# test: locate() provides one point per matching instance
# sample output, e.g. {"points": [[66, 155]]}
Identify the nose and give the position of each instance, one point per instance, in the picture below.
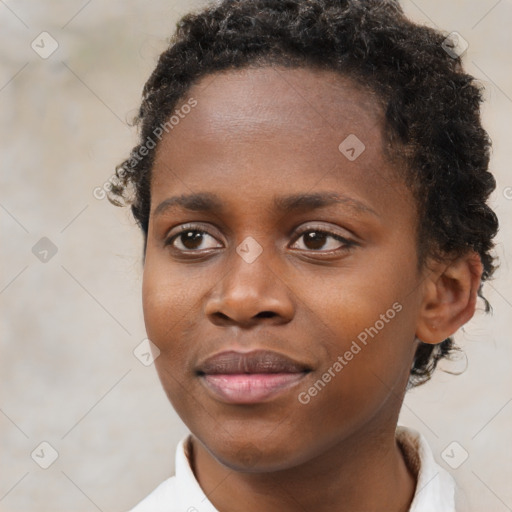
{"points": [[248, 294]]}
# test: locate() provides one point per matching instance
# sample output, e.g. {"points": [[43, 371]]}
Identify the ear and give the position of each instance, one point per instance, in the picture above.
{"points": [[449, 297]]}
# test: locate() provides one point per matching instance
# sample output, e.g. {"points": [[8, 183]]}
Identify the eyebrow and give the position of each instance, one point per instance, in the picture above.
{"points": [[208, 202]]}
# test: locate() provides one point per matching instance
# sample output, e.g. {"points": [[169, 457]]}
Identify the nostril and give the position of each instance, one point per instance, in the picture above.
{"points": [[266, 314]]}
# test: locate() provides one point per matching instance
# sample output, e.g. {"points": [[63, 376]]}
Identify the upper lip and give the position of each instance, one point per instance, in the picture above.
{"points": [[257, 361]]}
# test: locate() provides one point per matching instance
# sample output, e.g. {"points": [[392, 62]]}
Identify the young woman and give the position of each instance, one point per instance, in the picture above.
{"points": [[311, 183]]}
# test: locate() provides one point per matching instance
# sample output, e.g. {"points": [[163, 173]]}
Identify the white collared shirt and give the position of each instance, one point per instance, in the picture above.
{"points": [[435, 488]]}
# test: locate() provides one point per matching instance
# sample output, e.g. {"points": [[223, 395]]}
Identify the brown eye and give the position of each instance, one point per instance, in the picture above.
{"points": [[316, 240], [190, 239]]}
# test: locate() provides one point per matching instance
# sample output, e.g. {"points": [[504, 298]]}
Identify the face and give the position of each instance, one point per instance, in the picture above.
{"points": [[278, 225]]}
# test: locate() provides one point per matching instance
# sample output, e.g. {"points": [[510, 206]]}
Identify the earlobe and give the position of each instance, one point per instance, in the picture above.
{"points": [[449, 298]]}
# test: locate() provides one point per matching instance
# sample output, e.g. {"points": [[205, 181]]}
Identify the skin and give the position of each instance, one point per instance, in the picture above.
{"points": [[256, 134]]}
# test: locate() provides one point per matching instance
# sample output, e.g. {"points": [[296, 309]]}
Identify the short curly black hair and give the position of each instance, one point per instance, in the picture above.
{"points": [[431, 106]]}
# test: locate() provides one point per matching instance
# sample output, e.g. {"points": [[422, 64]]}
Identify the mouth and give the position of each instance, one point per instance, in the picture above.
{"points": [[251, 377]]}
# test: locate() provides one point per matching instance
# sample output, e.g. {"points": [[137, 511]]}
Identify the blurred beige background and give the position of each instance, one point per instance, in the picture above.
{"points": [[70, 321]]}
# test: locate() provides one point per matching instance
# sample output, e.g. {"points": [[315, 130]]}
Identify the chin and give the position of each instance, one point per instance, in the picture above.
{"points": [[254, 455]]}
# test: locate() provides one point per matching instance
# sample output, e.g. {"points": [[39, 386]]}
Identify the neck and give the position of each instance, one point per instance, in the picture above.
{"points": [[365, 471]]}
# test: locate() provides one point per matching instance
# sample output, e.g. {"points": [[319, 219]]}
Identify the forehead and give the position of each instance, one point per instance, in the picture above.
{"points": [[303, 101], [274, 128], [276, 88]]}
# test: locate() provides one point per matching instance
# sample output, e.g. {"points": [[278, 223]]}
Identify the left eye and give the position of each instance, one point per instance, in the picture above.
{"points": [[315, 239]]}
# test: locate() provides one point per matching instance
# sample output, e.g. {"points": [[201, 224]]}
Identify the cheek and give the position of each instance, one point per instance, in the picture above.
{"points": [[371, 313], [169, 299], [173, 300]]}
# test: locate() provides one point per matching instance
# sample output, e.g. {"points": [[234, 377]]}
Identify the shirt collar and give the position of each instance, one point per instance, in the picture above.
{"points": [[190, 495], [434, 489]]}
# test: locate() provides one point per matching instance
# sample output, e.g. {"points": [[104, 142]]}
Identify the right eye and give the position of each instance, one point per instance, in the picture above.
{"points": [[191, 239]]}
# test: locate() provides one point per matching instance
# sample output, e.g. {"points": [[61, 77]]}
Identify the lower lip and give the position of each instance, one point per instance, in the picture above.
{"points": [[250, 388]]}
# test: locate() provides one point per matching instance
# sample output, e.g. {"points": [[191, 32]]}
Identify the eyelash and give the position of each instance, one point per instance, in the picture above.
{"points": [[347, 244]]}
